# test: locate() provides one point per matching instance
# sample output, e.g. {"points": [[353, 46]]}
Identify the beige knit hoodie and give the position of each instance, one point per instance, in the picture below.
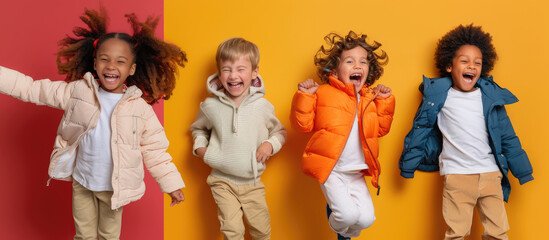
{"points": [[232, 135]]}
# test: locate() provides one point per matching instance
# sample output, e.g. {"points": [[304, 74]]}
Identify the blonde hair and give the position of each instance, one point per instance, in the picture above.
{"points": [[234, 48]]}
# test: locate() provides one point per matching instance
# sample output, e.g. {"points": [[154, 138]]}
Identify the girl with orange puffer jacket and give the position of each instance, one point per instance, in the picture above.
{"points": [[347, 115]]}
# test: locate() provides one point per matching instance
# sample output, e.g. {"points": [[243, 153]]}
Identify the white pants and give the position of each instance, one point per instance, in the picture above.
{"points": [[352, 208]]}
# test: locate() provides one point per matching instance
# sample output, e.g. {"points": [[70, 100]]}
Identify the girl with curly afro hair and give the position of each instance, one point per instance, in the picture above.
{"points": [[347, 115], [462, 129], [109, 129]]}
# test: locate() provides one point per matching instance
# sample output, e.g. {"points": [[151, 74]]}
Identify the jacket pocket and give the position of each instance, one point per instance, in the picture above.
{"points": [[129, 130], [324, 142]]}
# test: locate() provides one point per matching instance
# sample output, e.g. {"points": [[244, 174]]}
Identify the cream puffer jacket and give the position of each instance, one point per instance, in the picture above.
{"points": [[137, 135]]}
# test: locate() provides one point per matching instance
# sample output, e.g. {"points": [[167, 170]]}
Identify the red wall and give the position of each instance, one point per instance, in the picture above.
{"points": [[29, 209]]}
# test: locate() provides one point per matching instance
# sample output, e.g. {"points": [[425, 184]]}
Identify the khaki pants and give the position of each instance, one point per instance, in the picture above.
{"points": [[233, 201], [93, 217], [462, 192]]}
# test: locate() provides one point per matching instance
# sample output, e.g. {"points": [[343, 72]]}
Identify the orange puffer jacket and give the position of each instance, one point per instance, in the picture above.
{"points": [[330, 113]]}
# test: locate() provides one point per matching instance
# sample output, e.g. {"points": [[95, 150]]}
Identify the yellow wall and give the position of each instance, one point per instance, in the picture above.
{"points": [[288, 33]]}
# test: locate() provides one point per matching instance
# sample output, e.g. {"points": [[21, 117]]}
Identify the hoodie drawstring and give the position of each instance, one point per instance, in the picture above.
{"points": [[235, 120], [254, 166]]}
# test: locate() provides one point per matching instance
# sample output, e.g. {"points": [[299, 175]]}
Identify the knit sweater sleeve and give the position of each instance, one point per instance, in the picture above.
{"points": [[41, 92], [277, 132], [201, 129]]}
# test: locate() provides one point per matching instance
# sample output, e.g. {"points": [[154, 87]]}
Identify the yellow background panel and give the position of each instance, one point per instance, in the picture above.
{"points": [[288, 34]]}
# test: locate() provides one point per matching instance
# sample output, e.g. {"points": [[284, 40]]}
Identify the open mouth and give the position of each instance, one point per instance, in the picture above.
{"points": [[110, 77], [355, 77], [468, 77], [235, 84]]}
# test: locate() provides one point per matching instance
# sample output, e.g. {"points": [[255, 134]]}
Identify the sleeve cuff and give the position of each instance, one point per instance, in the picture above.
{"points": [[407, 174], [198, 143], [275, 144], [526, 179]]}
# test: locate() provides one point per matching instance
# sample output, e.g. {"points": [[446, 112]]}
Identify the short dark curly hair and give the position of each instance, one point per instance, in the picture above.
{"points": [[465, 35], [328, 56]]}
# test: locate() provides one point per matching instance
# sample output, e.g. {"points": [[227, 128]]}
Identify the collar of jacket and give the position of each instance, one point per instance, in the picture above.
{"points": [[490, 89], [349, 88]]}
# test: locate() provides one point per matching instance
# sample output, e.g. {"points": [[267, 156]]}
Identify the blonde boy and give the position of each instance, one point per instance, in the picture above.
{"points": [[235, 132]]}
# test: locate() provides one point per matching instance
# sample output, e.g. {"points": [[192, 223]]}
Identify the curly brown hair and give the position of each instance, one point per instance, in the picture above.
{"points": [[157, 61], [465, 35], [328, 56]]}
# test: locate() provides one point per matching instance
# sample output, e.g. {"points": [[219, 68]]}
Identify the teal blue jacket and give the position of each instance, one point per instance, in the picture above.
{"points": [[423, 144]]}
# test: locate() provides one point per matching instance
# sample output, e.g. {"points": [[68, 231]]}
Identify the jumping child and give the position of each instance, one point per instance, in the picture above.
{"points": [[235, 132], [347, 115], [108, 129], [461, 127]]}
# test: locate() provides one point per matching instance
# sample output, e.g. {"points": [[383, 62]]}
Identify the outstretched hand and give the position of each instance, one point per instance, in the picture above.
{"points": [[382, 91], [177, 197], [308, 86]]}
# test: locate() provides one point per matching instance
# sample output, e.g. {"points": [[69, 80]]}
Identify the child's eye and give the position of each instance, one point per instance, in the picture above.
{"points": [[122, 62]]}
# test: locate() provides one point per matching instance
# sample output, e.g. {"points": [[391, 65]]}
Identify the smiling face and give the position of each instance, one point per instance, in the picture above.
{"points": [[353, 67], [114, 62], [466, 68], [236, 77]]}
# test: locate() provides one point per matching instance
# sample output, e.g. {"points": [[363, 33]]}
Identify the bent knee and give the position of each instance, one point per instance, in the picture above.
{"points": [[346, 218], [366, 220]]}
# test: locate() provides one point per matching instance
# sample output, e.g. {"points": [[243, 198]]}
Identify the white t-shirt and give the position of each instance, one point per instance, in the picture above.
{"points": [[352, 157], [465, 146], [94, 160]]}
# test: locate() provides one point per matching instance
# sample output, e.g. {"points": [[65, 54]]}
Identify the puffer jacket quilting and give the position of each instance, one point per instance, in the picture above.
{"points": [[330, 113], [137, 136]]}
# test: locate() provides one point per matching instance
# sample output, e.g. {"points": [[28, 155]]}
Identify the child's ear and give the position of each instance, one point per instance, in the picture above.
{"points": [[94, 63], [449, 68], [132, 69], [254, 72]]}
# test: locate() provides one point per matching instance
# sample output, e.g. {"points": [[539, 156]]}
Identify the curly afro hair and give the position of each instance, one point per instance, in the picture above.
{"points": [[465, 35], [157, 61], [327, 57]]}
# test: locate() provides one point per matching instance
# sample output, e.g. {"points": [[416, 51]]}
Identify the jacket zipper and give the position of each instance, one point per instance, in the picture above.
{"points": [[369, 149], [96, 94]]}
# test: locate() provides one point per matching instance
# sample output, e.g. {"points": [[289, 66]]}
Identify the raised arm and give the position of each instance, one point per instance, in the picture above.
{"points": [[303, 110], [41, 92]]}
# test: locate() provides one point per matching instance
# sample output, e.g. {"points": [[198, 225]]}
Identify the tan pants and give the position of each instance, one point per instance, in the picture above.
{"points": [[462, 192], [93, 217], [233, 201]]}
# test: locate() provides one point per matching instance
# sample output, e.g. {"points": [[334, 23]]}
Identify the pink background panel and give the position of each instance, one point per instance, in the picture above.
{"points": [[29, 209]]}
